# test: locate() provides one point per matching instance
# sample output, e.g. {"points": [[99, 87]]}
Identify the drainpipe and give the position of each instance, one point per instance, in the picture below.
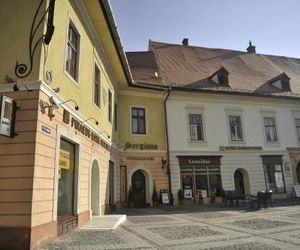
{"points": [[167, 141]]}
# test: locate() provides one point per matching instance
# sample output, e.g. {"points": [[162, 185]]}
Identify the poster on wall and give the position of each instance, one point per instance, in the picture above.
{"points": [[188, 193], [64, 159], [297, 190]]}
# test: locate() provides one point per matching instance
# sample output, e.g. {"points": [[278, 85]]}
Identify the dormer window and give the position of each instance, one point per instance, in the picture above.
{"points": [[286, 85], [220, 77], [282, 82]]}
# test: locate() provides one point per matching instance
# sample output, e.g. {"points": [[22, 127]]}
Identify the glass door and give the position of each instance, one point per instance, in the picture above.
{"points": [[66, 173]]}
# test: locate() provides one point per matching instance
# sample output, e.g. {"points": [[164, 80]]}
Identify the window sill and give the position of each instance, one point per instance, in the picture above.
{"points": [[272, 143], [97, 107], [75, 82], [197, 143], [138, 134]]}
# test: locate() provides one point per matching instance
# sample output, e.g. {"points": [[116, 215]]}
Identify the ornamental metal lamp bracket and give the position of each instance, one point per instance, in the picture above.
{"points": [[21, 69]]}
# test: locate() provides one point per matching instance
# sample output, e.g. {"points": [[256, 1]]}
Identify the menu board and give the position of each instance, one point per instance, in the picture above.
{"points": [[297, 190]]}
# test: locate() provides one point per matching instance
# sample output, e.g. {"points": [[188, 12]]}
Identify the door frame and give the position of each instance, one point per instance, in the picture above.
{"points": [[148, 182], [72, 138]]}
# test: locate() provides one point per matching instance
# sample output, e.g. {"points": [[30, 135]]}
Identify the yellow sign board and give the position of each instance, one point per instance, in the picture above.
{"points": [[64, 159]]}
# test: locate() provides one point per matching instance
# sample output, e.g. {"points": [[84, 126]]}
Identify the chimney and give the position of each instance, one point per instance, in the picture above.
{"points": [[251, 49], [185, 42]]}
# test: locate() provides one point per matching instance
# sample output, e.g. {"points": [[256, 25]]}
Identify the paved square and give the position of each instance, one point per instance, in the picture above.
{"points": [[210, 227]]}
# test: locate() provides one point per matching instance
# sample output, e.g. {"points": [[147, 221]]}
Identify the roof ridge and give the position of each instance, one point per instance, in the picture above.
{"points": [[222, 49]]}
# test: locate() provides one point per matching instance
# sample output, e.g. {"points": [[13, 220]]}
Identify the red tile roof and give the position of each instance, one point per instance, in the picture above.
{"points": [[190, 67]]}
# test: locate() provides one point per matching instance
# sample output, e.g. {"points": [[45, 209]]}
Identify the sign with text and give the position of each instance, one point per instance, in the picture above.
{"points": [[192, 160]]}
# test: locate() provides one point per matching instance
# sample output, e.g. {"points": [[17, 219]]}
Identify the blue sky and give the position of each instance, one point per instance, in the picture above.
{"points": [[272, 25]]}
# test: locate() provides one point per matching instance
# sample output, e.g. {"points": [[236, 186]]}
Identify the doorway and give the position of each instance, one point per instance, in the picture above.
{"points": [[111, 187], [239, 182], [298, 172], [139, 188], [95, 189], [66, 179]]}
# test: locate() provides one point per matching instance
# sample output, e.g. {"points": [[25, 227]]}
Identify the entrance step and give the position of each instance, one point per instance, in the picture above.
{"points": [[104, 222]]}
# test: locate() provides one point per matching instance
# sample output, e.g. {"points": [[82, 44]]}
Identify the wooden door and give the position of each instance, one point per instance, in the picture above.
{"points": [[139, 189]]}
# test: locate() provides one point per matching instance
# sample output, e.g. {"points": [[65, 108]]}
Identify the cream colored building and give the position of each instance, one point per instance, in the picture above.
{"points": [[233, 118]]}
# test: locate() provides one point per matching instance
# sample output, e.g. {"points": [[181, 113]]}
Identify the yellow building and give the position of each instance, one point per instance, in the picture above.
{"points": [[73, 126]]}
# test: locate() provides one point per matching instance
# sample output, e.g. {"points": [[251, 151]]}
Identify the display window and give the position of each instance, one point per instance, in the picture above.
{"points": [[66, 175], [205, 180]]}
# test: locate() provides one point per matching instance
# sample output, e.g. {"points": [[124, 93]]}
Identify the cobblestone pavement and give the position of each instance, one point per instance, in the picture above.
{"points": [[194, 227]]}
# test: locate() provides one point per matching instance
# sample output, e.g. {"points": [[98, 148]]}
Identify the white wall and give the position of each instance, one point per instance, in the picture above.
{"points": [[215, 110], [215, 120]]}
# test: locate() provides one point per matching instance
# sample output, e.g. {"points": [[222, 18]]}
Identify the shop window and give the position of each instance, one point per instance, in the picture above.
{"points": [[235, 125], [66, 179], [270, 129], [72, 57], [97, 87], [201, 179], [273, 172], [138, 121], [196, 127]]}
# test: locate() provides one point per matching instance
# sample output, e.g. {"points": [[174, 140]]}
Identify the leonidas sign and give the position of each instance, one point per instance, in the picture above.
{"points": [[195, 160]]}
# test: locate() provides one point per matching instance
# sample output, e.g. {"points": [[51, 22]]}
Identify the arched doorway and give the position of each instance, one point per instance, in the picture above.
{"points": [[298, 172], [239, 182], [138, 182], [95, 189]]}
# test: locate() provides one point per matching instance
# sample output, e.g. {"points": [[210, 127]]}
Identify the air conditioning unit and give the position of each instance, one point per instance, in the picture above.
{"points": [[8, 109]]}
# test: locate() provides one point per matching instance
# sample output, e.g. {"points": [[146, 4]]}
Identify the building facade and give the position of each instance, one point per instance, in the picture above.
{"points": [[232, 118], [59, 139]]}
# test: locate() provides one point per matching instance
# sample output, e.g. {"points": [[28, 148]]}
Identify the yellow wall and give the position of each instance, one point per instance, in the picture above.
{"points": [[82, 91], [15, 18], [155, 133]]}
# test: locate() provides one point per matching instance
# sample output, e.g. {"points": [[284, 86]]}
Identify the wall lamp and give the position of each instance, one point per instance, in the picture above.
{"points": [[56, 104], [91, 118], [164, 165], [16, 87]]}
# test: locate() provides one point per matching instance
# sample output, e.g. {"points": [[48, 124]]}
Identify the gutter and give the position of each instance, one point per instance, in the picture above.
{"points": [[167, 141], [109, 17]]}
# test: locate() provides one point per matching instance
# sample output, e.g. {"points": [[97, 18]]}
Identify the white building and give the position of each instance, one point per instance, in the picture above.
{"points": [[233, 117]]}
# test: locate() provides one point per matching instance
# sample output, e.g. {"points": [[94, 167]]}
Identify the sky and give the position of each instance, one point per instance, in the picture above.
{"points": [[273, 26]]}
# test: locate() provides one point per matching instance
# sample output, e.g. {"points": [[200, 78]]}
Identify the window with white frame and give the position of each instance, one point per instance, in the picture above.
{"points": [[270, 129], [97, 87], [297, 123], [72, 57], [235, 127], [196, 127], [138, 121]]}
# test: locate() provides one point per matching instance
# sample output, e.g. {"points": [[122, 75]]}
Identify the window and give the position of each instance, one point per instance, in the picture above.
{"points": [[138, 121], [116, 117], [270, 128], [109, 106], [222, 79], [235, 126], [72, 52], [297, 122], [196, 127], [273, 173], [97, 87], [285, 85]]}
